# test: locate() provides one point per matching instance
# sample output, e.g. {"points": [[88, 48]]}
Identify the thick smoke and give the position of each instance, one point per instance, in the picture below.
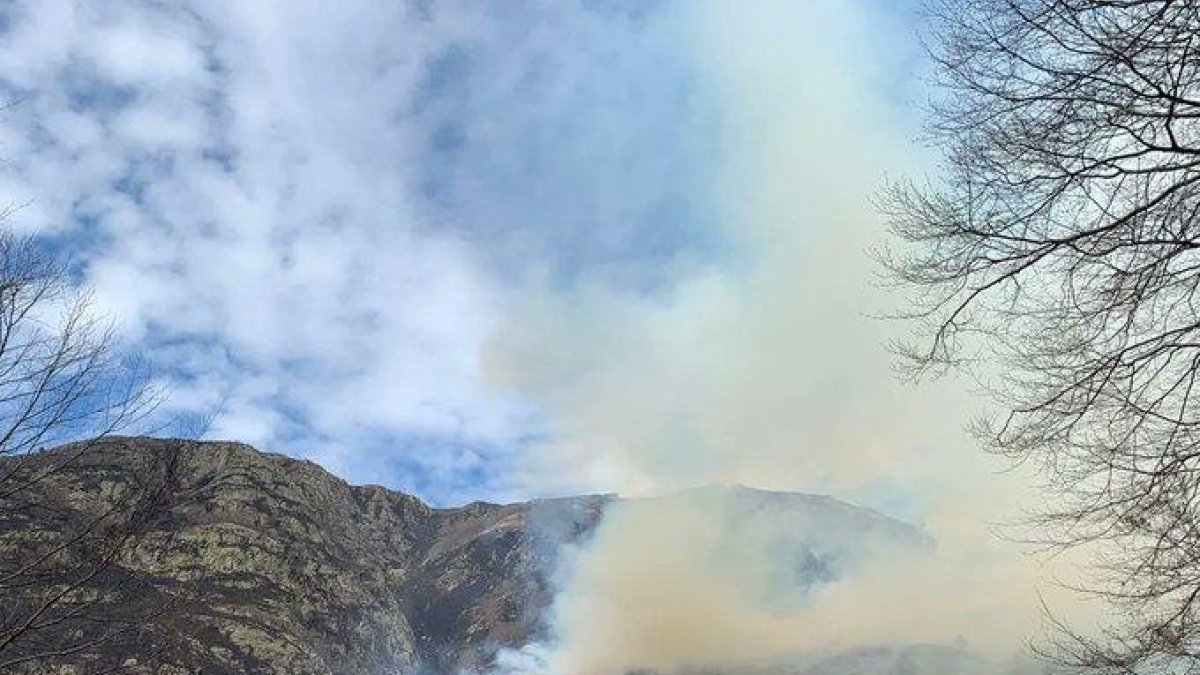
{"points": [[734, 580], [769, 372], [704, 579]]}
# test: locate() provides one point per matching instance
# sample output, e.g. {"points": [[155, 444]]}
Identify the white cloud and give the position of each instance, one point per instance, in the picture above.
{"points": [[334, 209], [137, 55], [238, 178]]}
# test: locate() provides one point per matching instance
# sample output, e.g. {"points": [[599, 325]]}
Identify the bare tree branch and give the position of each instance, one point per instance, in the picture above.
{"points": [[1060, 245], [65, 590]]}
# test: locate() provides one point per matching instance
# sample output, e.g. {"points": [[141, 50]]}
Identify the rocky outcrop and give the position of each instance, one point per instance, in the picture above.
{"points": [[271, 564], [267, 564]]}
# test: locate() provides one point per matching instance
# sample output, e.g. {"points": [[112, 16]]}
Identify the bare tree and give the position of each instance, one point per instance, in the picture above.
{"points": [[1060, 246], [62, 589]]}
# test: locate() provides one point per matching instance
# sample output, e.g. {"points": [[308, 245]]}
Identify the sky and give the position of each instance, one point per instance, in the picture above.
{"points": [[479, 250], [483, 250]]}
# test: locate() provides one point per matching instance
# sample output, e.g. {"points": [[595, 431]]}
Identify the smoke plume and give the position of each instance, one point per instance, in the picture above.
{"points": [[769, 371]]}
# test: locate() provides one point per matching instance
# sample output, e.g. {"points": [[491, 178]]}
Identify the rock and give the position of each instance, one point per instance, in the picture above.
{"points": [[273, 565], [267, 564]]}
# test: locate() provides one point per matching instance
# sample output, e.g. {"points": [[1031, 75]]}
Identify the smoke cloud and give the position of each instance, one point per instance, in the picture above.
{"points": [[768, 370], [685, 585]]}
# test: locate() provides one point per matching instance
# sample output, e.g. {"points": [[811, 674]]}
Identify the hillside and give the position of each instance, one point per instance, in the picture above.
{"points": [[270, 564]]}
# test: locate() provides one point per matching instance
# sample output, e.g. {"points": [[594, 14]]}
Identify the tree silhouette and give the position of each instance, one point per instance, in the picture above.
{"points": [[1059, 249]]}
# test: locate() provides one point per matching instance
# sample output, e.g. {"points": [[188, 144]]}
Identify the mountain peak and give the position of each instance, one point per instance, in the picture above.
{"points": [[272, 564]]}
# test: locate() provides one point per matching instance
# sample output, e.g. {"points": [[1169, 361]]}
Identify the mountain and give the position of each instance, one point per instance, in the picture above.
{"points": [[267, 564]]}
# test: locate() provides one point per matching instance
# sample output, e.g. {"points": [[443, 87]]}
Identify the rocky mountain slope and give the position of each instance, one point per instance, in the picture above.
{"points": [[264, 563]]}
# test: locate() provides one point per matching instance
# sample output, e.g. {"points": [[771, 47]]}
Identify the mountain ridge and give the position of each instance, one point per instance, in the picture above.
{"points": [[273, 564]]}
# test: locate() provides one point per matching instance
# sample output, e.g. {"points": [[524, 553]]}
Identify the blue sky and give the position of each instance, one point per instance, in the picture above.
{"points": [[433, 244], [493, 250]]}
